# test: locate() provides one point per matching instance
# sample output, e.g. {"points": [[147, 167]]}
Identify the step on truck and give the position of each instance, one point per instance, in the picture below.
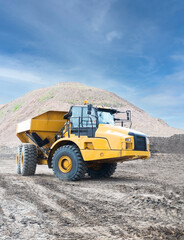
{"points": [[83, 140]]}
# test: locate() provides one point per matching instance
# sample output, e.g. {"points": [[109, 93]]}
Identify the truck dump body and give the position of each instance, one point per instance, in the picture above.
{"points": [[45, 125]]}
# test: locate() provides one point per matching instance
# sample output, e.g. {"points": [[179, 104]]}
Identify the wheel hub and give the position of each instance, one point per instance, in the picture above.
{"points": [[65, 164], [22, 159], [17, 159]]}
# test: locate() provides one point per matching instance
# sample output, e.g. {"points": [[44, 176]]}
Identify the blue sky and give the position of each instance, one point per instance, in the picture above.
{"points": [[134, 48]]}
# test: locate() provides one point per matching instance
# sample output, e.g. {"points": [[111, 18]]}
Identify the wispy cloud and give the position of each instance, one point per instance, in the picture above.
{"points": [[113, 35], [19, 76], [178, 57], [163, 99], [176, 78], [100, 14]]}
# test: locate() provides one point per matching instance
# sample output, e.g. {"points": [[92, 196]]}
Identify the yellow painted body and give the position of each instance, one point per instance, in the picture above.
{"points": [[108, 145], [45, 125]]}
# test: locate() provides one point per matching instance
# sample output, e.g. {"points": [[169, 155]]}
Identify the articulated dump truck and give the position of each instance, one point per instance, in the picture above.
{"points": [[83, 140]]}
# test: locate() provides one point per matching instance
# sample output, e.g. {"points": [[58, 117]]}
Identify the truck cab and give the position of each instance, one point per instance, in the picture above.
{"points": [[100, 122], [85, 119]]}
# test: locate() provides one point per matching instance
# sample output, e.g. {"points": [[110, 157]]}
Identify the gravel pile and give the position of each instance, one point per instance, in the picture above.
{"points": [[173, 144], [7, 152]]}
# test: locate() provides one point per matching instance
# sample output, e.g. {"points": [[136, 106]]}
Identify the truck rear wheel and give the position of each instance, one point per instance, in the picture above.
{"points": [[103, 170], [18, 159], [68, 164], [28, 160]]}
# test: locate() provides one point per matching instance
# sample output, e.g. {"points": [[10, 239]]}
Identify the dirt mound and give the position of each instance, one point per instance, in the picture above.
{"points": [[173, 144], [61, 97]]}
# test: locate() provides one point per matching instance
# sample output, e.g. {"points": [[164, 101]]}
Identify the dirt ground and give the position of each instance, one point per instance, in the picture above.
{"points": [[143, 200]]}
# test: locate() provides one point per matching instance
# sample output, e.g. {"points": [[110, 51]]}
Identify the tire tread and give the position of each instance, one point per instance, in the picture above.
{"points": [[81, 164], [30, 159], [106, 171]]}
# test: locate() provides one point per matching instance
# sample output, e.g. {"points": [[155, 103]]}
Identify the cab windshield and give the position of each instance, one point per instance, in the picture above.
{"points": [[105, 117]]}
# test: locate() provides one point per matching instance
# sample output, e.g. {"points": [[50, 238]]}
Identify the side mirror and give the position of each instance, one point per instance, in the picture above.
{"points": [[89, 109]]}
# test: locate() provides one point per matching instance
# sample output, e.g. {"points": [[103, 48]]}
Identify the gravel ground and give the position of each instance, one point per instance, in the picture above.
{"points": [[143, 200]]}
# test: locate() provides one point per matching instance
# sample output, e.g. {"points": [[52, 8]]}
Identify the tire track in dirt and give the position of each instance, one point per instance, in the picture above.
{"points": [[20, 212], [132, 205], [155, 202], [51, 219], [33, 195]]}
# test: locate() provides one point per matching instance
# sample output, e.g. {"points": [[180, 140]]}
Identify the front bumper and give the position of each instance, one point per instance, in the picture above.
{"points": [[114, 155], [136, 154]]}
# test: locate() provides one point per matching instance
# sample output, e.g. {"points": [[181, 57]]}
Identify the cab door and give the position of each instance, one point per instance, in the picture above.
{"points": [[83, 124]]}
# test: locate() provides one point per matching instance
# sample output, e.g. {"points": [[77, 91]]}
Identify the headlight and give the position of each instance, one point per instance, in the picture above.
{"points": [[128, 139]]}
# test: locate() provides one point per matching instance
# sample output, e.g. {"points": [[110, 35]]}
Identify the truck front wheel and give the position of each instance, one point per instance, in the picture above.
{"points": [[68, 164], [102, 170]]}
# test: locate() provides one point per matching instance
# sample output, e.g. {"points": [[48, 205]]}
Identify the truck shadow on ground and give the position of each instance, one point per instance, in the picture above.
{"points": [[132, 179]]}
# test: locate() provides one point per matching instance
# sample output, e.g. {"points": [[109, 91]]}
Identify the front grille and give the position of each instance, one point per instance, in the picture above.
{"points": [[139, 142]]}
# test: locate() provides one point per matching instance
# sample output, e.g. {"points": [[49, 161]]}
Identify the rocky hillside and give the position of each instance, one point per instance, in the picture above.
{"points": [[60, 97]]}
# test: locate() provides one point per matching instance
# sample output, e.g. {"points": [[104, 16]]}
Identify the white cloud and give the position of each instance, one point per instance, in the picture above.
{"points": [[100, 13], [178, 57], [176, 77], [110, 36], [19, 76], [163, 99]]}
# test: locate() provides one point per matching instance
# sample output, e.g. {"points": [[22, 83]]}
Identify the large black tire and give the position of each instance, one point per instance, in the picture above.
{"points": [[104, 170], [18, 159], [70, 156], [28, 159]]}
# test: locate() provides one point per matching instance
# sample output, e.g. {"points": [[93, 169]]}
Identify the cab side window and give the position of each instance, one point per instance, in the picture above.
{"points": [[86, 121], [76, 113]]}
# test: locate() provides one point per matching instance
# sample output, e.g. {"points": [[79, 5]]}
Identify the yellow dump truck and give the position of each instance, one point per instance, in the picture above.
{"points": [[83, 140]]}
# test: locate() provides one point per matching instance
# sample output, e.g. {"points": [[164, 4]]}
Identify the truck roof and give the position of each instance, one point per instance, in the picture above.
{"points": [[106, 109]]}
